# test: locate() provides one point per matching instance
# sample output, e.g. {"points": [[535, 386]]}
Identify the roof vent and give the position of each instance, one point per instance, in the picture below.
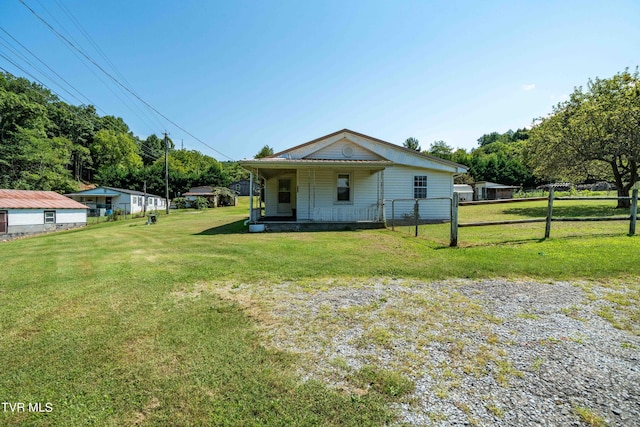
{"points": [[347, 151]]}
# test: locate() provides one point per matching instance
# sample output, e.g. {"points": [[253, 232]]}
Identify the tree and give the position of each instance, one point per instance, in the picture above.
{"points": [[441, 149], [412, 144], [266, 151], [596, 130], [114, 149]]}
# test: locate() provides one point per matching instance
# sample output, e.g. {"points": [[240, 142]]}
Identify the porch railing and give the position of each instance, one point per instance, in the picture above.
{"points": [[347, 214]]}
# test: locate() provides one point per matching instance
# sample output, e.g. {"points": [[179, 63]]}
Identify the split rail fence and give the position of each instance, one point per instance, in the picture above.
{"points": [[455, 203], [632, 218]]}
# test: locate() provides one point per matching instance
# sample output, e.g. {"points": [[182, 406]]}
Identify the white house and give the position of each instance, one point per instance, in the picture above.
{"points": [[103, 200], [24, 212], [348, 177]]}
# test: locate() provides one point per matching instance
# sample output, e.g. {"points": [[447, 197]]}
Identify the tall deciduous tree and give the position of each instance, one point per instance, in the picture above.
{"points": [[266, 151], [597, 127], [441, 149], [114, 149], [411, 143]]}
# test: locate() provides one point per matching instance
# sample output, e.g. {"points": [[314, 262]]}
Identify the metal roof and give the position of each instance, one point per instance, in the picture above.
{"points": [[110, 191], [27, 199]]}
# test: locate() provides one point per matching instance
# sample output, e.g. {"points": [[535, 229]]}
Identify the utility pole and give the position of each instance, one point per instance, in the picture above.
{"points": [[166, 171], [144, 205]]}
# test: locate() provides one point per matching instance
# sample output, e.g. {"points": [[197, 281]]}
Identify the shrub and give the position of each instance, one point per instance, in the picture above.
{"points": [[180, 202], [200, 203]]}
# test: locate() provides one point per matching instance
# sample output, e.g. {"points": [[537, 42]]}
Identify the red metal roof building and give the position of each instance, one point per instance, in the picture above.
{"points": [[25, 212], [27, 199]]}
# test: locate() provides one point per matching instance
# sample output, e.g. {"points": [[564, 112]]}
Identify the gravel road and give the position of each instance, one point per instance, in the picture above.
{"points": [[490, 353]]}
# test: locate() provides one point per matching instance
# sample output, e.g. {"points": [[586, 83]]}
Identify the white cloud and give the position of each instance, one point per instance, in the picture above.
{"points": [[528, 87]]}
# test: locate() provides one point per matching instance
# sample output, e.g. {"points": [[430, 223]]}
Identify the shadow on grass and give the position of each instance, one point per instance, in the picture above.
{"points": [[567, 211], [236, 227]]}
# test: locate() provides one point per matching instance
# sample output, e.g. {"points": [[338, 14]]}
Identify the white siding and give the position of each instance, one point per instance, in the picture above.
{"points": [[36, 216], [26, 216], [68, 216], [338, 150], [398, 184], [317, 196]]}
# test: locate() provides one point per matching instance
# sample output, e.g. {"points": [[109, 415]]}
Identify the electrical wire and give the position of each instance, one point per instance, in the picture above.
{"points": [[118, 82]]}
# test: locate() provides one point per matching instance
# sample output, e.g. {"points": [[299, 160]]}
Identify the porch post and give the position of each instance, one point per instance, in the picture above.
{"points": [[382, 215], [251, 196]]}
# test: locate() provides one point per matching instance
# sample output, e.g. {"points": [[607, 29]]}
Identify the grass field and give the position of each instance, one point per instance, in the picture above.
{"points": [[102, 323]]}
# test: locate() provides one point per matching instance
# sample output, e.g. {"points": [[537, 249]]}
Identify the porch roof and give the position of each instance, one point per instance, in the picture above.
{"points": [[280, 163]]}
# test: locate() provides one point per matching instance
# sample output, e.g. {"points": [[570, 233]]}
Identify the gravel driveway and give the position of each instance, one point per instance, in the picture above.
{"points": [[490, 353]]}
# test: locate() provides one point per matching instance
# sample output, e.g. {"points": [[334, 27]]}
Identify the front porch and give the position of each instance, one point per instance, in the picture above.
{"points": [[319, 195]]}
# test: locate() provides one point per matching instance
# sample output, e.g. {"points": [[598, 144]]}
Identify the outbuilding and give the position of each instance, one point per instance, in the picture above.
{"points": [[485, 190], [25, 212], [104, 200], [464, 191]]}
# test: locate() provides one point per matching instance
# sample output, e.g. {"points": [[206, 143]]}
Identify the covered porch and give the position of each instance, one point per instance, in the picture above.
{"points": [[317, 194]]}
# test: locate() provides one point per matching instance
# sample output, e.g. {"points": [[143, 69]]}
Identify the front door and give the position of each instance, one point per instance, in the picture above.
{"points": [[4, 223], [284, 196]]}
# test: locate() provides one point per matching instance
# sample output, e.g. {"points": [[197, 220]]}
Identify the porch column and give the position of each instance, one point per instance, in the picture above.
{"points": [[251, 196]]}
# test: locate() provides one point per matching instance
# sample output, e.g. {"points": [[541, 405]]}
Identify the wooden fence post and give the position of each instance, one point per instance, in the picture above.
{"points": [[547, 230], [454, 221], [393, 214], [634, 212], [416, 215]]}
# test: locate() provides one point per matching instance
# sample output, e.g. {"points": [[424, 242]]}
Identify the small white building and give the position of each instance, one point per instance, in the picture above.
{"points": [[465, 192], [104, 200], [24, 212], [348, 177]]}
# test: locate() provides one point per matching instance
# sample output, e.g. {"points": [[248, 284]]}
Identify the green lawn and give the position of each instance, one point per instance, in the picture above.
{"points": [[101, 321]]}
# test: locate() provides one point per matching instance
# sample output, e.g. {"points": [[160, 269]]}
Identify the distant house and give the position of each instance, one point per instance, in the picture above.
{"points": [[24, 213], [485, 190], [241, 187], [350, 178], [104, 200], [212, 194], [465, 192]]}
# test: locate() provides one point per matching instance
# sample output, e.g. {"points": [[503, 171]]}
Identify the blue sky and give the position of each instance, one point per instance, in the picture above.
{"points": [[241, 74]]}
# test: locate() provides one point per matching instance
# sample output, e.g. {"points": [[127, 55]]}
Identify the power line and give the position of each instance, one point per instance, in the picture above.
{"points": [[119, 83], [145, 150], [87, 36], [129, 104], [21, 56]]}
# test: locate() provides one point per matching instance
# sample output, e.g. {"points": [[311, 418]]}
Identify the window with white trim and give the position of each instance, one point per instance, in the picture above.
{"points": [[420, 187], [49, 217], [343, 187]]}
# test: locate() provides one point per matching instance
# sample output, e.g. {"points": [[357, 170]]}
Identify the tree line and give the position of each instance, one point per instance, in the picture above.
{"points": [[499, 157], [592, 136], [47, 144]]}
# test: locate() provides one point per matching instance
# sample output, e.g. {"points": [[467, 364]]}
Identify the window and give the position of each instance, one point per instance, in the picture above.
{"points": [[49, 217], [284, 191], [420, 187], [344, 187]]}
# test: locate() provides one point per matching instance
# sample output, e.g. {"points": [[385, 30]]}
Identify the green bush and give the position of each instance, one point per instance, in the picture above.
{"points": [[200, 203], [180, 202]]}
